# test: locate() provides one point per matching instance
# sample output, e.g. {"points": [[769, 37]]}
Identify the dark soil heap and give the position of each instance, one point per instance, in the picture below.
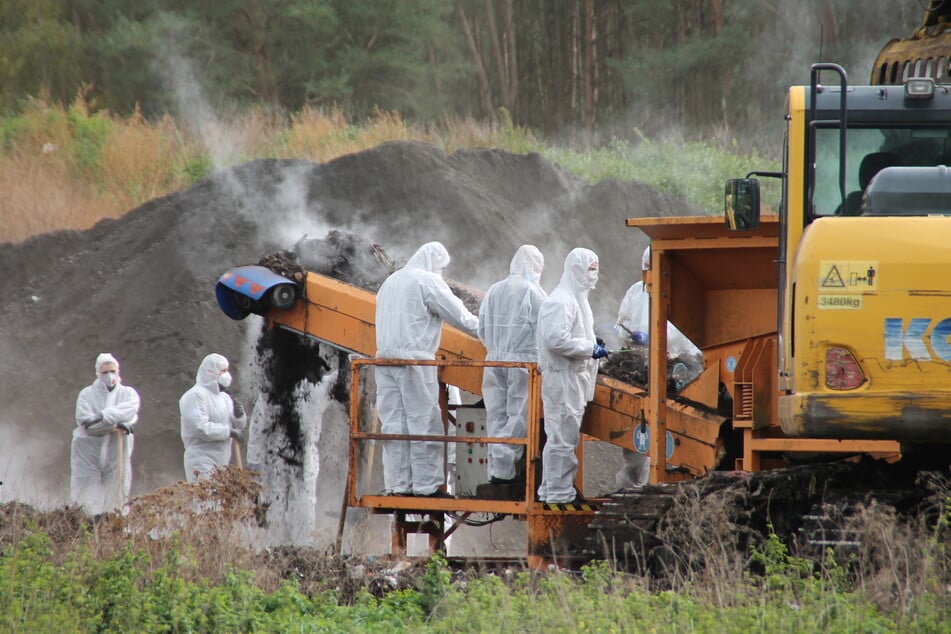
{"points": [[142, 287]]}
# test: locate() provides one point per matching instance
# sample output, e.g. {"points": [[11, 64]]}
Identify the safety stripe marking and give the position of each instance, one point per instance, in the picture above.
{"points": [[570, 507]]}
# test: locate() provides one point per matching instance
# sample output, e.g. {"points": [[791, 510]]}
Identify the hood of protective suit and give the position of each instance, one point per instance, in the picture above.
{"points": [[412, 304], [103, 359], [508, 314], [528, 262], [576, 278], [211, 366], [432, 257]]}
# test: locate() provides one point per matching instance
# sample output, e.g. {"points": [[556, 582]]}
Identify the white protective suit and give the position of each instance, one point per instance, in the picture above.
{"points": [[507, 319], [95, 465], [207, 420], [634, 316], [410, 308], [565, 343]]}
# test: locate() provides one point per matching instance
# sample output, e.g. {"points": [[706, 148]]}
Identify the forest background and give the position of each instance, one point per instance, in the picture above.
{"points": [[107, 104], [582, 70]]}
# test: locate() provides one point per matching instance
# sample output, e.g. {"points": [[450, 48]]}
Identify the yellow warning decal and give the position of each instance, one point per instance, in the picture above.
{"points": [[848, 276], [840, 302]]}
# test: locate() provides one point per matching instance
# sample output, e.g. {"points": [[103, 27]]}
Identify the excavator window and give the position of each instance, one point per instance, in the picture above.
{"points": [[869, 151]]}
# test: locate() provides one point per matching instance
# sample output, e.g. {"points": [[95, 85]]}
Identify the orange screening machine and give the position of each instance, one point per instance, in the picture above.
{"points": [[729, 311]]}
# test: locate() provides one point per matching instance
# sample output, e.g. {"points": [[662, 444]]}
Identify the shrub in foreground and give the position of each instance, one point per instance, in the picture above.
{"points": [[129, 592]]}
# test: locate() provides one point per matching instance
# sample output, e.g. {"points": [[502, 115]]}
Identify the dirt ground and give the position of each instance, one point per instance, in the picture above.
{"points": [[142, 286]]}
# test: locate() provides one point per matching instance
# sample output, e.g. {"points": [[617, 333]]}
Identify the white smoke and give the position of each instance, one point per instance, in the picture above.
{"points": [[220, 141], [26, 464]]}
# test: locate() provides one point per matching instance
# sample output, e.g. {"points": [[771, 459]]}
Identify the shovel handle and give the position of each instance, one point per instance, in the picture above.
{"points": [[236, 452], [120, 467]]}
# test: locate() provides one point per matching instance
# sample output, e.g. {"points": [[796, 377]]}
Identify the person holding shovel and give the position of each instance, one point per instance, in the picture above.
{"points": [[101, 452], [210, 418]]}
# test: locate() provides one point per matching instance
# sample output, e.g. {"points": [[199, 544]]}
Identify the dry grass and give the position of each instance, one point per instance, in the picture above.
{"points": [[210, 520], [899, 560], [213, 526], [136, 163], [704, 548], [69, 168], [710, 545], [322, 135]]}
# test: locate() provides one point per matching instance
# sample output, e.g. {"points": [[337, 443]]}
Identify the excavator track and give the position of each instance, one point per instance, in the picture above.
{"points": [[666, 529]]}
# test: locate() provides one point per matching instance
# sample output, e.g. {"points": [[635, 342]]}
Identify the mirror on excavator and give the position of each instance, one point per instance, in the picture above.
{"points": [[741, 204]]}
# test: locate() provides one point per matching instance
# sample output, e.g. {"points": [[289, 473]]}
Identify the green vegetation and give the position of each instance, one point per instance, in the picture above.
{"points": [[690, 170], [128, 591]]}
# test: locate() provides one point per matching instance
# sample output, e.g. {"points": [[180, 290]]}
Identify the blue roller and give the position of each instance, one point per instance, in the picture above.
{"points": [[253, 289]]}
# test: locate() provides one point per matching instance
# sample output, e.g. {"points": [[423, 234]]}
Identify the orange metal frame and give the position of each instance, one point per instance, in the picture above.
{"points": [[720, 288], [343, 316], [545, 525]]}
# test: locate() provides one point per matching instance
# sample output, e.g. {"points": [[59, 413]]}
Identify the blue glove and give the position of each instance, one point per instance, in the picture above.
{"points": [[599, 351], [639, 337]]}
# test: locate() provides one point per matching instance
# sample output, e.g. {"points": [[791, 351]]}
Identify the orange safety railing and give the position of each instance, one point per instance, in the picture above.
{"points": [[466, 504]]}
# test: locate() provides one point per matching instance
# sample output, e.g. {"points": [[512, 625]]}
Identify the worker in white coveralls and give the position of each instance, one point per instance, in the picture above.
{"points": [[410, 308], [568, 355], [633, 321], [210, 419], [508, 317], [101, 454]]}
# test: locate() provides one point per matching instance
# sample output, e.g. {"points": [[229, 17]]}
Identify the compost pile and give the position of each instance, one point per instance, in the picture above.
{"points": [[142, 286]]}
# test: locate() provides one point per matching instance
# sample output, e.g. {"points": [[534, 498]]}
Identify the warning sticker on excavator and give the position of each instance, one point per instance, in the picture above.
{"points": [[846, 276]]}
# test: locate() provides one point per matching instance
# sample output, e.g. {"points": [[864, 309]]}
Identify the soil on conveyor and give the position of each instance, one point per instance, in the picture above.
{"points": [[142, 286]]}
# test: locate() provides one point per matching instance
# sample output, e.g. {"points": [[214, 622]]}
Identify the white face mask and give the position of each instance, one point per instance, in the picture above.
{"points": [[224, 380], [590, 278], [109, 379]]}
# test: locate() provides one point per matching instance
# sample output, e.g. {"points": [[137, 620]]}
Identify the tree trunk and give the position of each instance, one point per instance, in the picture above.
{"points": [[257, 27], [575, 71], [509, 31], [716, 9], [485, 91], [497, 53], [587, 108]]}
